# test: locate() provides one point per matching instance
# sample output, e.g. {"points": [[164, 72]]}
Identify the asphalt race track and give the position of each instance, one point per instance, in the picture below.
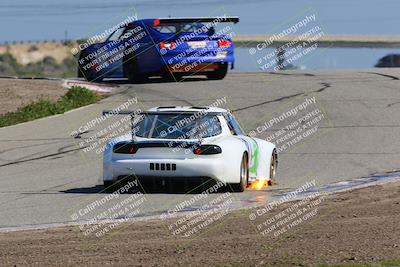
{"points": [[45, 176]]}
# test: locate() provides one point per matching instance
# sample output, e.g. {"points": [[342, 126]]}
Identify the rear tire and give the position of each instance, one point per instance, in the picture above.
{"points": [[273, 166], [131, 70], [244, 175], [219, 73], [169, 76], [109, 186]]}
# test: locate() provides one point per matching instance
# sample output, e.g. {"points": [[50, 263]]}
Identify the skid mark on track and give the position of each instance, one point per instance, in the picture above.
{"points": [[385, 75], [324, 86], [40, 152], [392, 104], [292, 74], [267, 102], [160, 93], [28, 146], [41, 157]]}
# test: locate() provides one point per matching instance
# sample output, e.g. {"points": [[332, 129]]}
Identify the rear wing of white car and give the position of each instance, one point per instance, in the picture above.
{"points": [[134, 113], [131, 113], [121, 112]]}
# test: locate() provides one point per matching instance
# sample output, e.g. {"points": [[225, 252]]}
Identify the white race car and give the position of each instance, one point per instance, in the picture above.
{"points": [[188, 142]]}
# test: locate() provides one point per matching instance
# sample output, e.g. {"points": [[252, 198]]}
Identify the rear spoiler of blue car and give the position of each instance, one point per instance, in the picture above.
{"points": [[233, 19]]}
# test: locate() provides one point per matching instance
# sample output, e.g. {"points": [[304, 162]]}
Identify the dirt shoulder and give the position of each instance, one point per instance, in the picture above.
{"points": [[350, 227], [17, 93], [36, 52]]}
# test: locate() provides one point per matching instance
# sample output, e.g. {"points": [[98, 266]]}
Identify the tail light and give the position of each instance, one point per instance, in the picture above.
{"points": [[224, 43], [207, 150], [125, 148], [167, 45], [156, 22]]}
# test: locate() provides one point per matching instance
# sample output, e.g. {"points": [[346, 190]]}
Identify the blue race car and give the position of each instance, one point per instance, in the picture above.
{"points": [[166, 47]]}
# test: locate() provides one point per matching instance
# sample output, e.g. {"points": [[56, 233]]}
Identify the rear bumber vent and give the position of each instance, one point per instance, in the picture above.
{"points": [[162, 166]]}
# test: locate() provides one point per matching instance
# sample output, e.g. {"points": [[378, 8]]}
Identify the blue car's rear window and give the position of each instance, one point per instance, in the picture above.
{"points": [[178, 27]]}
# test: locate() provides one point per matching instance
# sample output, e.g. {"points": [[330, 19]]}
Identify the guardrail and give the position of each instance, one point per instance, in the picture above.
{"points": [[348, 41], [33, 42]]}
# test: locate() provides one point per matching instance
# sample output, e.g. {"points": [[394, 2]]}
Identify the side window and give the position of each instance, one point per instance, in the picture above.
{"points": [[166, 28], [233, 132], [233, 125], [116, 35], [127, 34], [136, 32]]}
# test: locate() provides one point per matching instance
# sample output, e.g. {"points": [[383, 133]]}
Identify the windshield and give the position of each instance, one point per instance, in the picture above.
{"points": [[177, 126]]}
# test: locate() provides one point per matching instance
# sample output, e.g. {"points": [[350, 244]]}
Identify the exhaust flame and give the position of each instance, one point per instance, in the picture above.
{"points": [[260, 184]]}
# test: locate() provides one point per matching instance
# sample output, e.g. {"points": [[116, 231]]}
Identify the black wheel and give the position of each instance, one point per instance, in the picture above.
{"points": [[91, 78], [131, 70], [85, 74], [178, 77], [80, 67], [273, 166], [169, 76], [172, 78], [244, 175], [80, 73], [219, 73], [109, 186]]}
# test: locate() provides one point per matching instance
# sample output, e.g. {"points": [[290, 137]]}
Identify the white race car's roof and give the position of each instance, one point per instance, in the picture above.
{"points": [[187, 109]]}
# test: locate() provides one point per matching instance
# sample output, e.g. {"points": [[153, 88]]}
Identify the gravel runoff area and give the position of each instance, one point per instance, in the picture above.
{"points": [[359, 226], [17, 93]]}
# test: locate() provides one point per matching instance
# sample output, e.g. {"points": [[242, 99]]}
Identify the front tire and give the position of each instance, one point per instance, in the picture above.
{"points": [[244, 175], [85, 74], [219, 73]]}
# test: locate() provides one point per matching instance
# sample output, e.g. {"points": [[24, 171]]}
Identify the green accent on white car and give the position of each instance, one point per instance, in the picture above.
{"points": [[254, 158]]}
